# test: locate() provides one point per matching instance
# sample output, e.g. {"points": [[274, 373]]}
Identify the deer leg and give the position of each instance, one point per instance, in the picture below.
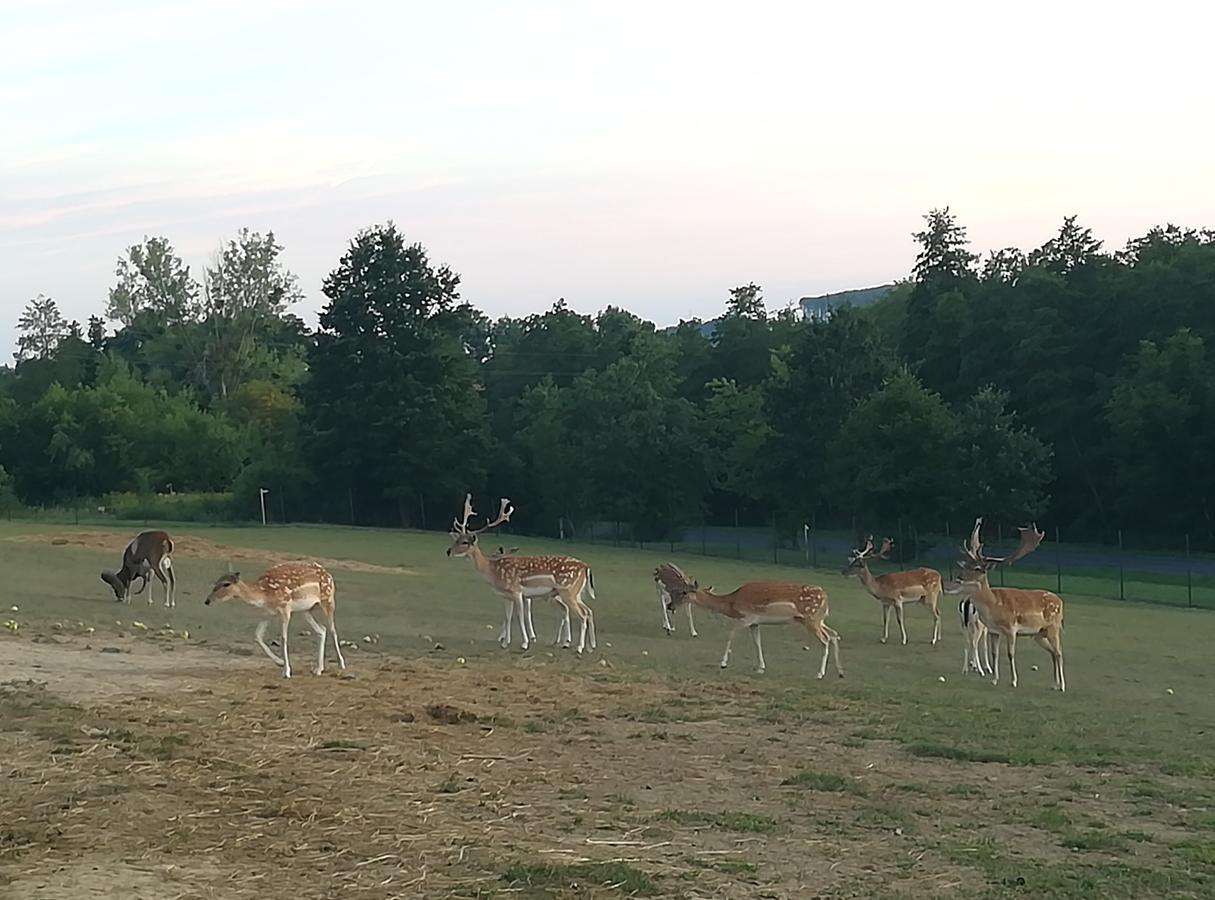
{"points": [[320, 649], [885, 622], [1010, 644], [978, 646], [1057, 640], [520, 605], [166, 566], [898, 614], [667, 625], [993, 655], [936, 621], [725, 657], [759, 649], [531, 628], [337, 645], [1056, 656], [164, 583], [691, 624], [286, 620], [260, 635], [508, 616], [967, 648]]}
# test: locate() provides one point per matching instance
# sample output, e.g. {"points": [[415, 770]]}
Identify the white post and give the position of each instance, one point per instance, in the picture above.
{"points": [[806, 540], [262, 492]]}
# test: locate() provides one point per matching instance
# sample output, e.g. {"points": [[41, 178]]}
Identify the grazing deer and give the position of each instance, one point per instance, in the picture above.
{"points": [[664, 601], [518, 579], [757, 603], [896, 588], [281, 591], [148, 552], [975, 657], [1008, 612]]}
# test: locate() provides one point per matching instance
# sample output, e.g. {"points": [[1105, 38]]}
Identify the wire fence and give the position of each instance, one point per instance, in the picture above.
{"points": [[1160, 571]]}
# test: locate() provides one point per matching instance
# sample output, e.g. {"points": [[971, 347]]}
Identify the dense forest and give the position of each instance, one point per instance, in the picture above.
{"points": [[1066, 383]]}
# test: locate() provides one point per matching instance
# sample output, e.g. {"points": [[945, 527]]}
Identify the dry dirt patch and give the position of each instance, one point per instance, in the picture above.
{"points": [[112, 667], [193, 774], [191, 547]]}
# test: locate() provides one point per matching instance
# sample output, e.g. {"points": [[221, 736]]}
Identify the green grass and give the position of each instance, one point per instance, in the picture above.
{"points": [[1116, 717], [822, 781]]}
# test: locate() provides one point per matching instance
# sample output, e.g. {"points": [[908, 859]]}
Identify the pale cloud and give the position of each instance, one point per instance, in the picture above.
{"points": [[645, 154]]}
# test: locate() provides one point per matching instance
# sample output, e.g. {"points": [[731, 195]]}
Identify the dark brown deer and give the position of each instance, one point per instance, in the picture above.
{"points": [[148, 553]]}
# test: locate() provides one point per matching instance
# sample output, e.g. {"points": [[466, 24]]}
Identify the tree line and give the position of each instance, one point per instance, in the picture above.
{"points": [[1066, 383]]}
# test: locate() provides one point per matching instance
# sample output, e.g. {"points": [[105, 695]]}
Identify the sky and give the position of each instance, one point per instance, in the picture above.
{"points": [[649, 155]]}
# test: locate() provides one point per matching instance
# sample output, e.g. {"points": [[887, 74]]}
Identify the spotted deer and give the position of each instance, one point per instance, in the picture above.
{"points": [[664, 601], [758, 603], [280, 591], [519, 579], [975, 657], [1009, 612], [148, 553], [894, 589]]}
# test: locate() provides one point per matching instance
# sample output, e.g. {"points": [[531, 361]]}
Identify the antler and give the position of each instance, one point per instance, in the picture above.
{"points": [[863, 551], [1031, 537], [504, 514], [674, 580], [462, 527]]}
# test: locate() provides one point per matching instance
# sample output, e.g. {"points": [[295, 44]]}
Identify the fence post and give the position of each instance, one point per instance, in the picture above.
{"points": [[1189, 575], [899, 544], [1058, 565], [806, 541], [704, 551], [813, 542], [350, 497], [1121, 570], [737, 537], [775, 557]]}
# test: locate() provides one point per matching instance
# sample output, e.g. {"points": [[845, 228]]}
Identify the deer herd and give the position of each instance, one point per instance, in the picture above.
{"points": [[986, 614]]}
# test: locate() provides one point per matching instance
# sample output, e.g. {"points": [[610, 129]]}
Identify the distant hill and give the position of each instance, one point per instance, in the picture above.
{"points": [[818, 307]]}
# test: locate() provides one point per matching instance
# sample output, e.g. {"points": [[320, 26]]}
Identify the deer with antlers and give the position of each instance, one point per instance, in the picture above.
{"points": [[757, 603], [896, 588], [148, 553], [280, 591], [518, 579], [1009, 612], [664, 602]]}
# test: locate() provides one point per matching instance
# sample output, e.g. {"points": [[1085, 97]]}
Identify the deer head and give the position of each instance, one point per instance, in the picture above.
{"points": [[676, 584], [859, 558], [463, 538], [974, 565], [224, 589]]}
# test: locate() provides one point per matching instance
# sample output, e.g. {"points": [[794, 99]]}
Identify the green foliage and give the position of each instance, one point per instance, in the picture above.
{"points": [[152, 282], [188, 507], [394, 403], [892, 455], [41, 329], [1065, 384]]}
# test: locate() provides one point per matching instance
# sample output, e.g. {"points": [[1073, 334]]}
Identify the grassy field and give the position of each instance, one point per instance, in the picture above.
{"points": [[142, 762]]}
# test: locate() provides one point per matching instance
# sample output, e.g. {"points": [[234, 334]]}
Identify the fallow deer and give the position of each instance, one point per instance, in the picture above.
{"points": [[893, 589], [1009, 612], [975, 657], [518, 579], [280, 591], [664, 600], [149, 552], [758, 603]]}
